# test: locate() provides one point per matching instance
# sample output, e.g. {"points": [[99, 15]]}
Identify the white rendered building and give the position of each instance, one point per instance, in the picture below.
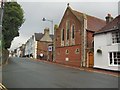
{"points": [[107, 45]]}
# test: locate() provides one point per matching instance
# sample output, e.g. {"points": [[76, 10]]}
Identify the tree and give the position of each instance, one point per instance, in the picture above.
{"points": [[55, 26], [13, 18]]}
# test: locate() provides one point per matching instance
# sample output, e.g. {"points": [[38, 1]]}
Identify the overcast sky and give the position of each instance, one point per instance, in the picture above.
{"points": [[35, 11]]}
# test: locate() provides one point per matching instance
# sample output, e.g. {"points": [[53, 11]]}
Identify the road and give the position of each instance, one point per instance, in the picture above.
{"points": [[27, 73]]}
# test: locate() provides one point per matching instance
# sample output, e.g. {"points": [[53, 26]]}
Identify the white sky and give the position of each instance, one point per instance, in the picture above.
{"points": [[35, 10]]}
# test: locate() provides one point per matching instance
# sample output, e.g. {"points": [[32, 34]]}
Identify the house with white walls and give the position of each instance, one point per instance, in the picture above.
{"points": [[38, 43], [29, 47], [107, 45]]}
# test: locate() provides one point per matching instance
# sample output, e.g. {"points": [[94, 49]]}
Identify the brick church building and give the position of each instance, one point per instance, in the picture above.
{"points": [[74, 38]]}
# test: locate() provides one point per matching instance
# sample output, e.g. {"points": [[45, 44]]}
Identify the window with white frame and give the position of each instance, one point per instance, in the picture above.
{"points": [[115, 37], [114, 58]]}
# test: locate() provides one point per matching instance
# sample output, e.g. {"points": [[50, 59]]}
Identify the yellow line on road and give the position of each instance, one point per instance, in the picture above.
{"points": [[2, 87]]}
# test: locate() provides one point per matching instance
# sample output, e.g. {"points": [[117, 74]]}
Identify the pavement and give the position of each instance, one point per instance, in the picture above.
{"points": [[96, 70]]}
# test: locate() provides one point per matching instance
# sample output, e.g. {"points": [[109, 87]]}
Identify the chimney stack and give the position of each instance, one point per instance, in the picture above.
{"points": [[46, 31], [109, 18]]}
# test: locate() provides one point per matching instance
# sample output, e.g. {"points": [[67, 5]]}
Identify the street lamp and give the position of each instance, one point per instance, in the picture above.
{"points": [[44, 19]]}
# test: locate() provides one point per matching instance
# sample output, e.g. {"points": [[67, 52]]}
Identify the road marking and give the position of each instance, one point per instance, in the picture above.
{"points": [[2, 87]]}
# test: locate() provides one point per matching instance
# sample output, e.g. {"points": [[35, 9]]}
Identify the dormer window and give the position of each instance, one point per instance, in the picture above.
{"points": [[115, 37]]}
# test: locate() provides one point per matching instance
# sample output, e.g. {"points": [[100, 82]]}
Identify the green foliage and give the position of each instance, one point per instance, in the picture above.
{"points": [[13, 18], [55, 27]]}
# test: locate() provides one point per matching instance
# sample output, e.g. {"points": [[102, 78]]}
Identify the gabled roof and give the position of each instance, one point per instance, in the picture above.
{"points": [[93, 23], [38, 36], [113, 25]]}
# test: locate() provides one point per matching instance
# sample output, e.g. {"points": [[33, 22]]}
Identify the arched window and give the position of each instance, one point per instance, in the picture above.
{"points": [[62, 34], [67, 52], [77, 51], [67, 29], [99, 51], [73, 32]]}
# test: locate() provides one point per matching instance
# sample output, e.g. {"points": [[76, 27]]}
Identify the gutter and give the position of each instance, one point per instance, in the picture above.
{"points": [[109, 30]]}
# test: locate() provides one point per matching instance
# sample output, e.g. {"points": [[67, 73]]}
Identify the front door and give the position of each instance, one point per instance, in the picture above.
{"points": [[91, 59]]}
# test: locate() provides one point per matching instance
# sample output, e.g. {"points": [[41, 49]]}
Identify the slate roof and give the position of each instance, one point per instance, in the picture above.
{"points": [[38, 36]]}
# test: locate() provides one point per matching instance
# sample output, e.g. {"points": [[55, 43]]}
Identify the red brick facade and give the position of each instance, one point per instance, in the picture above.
{"points": [[42, 48], [74, 58], [43, 41], [69, 51]]}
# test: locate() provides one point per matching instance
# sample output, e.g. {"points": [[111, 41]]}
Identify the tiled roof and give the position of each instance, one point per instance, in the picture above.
{"points": [[38, 36], [93, 23], [115, 24]]}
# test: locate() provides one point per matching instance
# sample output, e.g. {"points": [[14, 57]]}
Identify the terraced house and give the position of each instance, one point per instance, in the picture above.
{"points": [[74, 38], [107, 45]]}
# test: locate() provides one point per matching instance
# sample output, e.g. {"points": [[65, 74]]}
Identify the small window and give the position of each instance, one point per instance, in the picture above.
{"points": [[77, 51], [67, 52], [115, 37], [99, 51]]}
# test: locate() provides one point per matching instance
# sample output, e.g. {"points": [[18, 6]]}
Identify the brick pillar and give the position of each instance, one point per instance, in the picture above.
{"points": [[83, 41]]}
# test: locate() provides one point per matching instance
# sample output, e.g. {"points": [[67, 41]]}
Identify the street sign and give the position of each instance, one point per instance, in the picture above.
{"points": [[49, 48]]}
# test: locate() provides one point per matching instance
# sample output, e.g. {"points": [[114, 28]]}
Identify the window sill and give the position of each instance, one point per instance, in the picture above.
{"points": [[115, 65]]}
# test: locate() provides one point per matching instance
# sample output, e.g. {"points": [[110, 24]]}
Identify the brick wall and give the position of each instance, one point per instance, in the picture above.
{"points": [[42, 46], [74, 58], [90, 39], [60, 57], [83, 40]]}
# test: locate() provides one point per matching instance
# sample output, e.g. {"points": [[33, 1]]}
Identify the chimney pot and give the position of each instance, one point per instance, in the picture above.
{"points": [[109, 18], [109, 15], [46, 31]]}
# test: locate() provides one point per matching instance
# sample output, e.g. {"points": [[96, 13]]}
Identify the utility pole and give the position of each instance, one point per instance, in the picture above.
{"points": [[1, 18]]}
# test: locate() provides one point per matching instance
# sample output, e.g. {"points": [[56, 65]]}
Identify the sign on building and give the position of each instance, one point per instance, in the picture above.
{"points": [[49, 48]]}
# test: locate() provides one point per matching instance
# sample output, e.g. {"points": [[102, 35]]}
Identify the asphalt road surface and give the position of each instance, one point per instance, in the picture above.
{"points": [[27, 73]]}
